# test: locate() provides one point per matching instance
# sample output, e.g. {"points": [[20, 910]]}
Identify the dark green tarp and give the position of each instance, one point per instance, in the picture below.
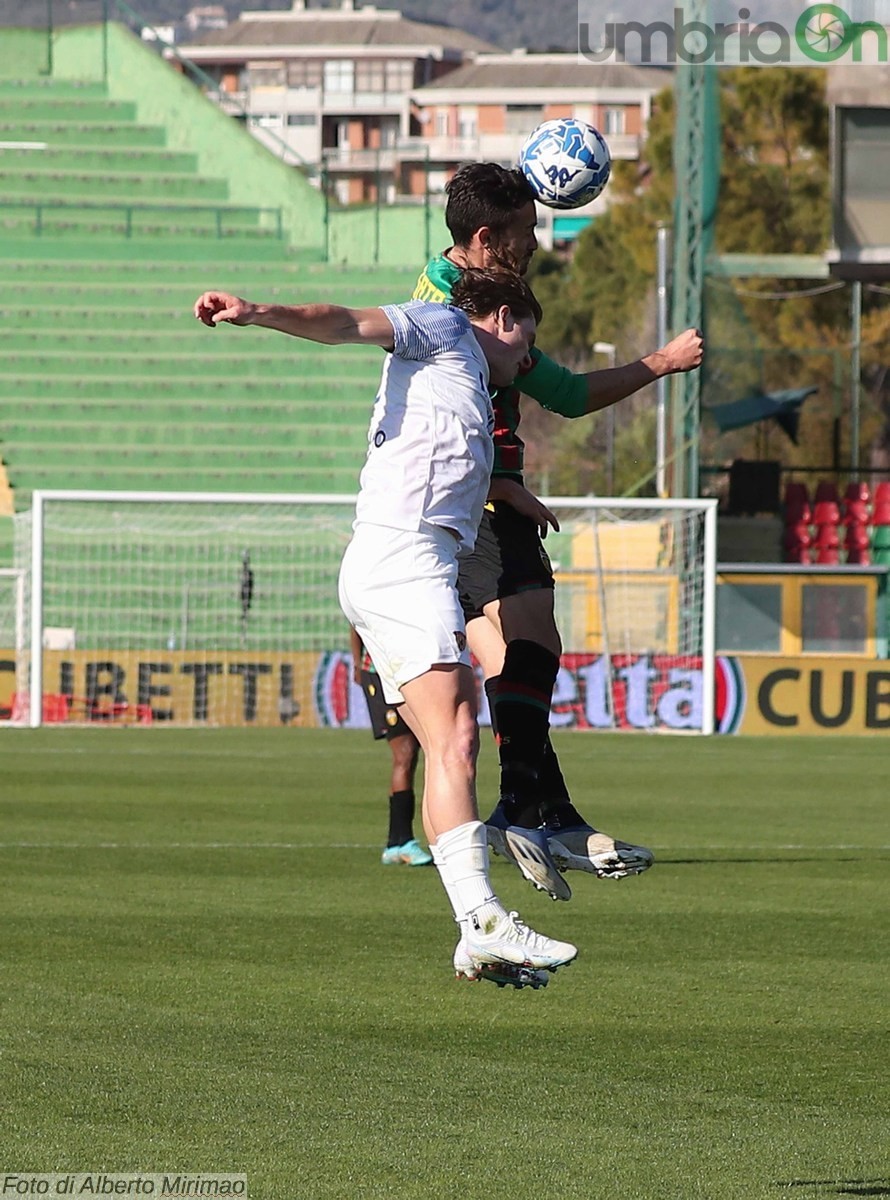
{"points": [[783, 407]]}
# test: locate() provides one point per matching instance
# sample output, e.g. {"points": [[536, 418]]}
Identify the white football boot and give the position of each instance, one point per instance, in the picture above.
{"points": [[503, 974], [506, 939]]}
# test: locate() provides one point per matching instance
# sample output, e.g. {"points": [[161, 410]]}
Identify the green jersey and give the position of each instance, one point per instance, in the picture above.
{"points": [[554, 387]]}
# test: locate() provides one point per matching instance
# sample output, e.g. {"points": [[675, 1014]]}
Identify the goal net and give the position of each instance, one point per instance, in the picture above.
{"points": [[221, 609], [634, 603]]}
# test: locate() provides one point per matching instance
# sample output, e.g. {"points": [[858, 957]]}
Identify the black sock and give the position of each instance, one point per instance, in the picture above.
{"points": [[522, 701], [557, 810], [491, 691], [401, 818]]}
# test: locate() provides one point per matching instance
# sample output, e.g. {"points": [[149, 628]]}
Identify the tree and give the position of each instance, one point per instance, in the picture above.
{"points": [[771, 334]]}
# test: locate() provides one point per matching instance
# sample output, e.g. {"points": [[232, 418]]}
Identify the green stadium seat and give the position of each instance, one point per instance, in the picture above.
{"points": [[107, 381]]}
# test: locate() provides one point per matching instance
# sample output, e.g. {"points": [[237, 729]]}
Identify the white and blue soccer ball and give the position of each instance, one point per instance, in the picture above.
{"points": [[566, 161]]}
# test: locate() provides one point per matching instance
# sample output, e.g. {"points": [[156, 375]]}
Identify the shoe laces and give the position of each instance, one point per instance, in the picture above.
{"points": [[525, 933]]}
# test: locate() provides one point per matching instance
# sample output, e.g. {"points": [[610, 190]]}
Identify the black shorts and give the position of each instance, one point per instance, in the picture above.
{"points": [[385, 719], [508, 558]]}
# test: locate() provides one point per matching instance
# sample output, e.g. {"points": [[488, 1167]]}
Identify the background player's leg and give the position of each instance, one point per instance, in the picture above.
{"points": [[401, 844]]}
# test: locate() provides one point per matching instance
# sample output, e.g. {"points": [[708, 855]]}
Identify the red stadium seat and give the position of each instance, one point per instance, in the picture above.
{"points": [[828, 556], [826, 512], [856, 538], [796, 493], [798, 511], [881, 514], [798, 533], [796, 503], [826, 490], [827, 537], [856, 512], [882, 494], [857, 491], [860, 557]]}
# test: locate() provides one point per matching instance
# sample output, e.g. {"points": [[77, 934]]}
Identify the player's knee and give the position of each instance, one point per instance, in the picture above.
{"points": [[545, 636]]}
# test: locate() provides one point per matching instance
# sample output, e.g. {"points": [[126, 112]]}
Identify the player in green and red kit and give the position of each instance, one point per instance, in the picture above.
{"points": [[506, 582]]}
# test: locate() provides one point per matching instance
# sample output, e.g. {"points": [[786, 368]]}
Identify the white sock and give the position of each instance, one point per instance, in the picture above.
{"points": [[459, 915], [462, 860]]}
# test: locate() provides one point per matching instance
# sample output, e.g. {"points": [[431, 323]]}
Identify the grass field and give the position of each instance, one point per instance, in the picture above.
{"points": [[204, 968]]}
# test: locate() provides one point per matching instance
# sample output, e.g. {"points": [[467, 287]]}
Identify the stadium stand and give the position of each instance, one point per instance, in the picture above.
{"points": [[113, 384], [813, 534], [107, 381]]}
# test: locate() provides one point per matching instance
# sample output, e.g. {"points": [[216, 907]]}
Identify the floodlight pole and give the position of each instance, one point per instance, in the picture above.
{"points": [[855, 370], [610, 350], [696, 182], [661, 386], [689, 141]]}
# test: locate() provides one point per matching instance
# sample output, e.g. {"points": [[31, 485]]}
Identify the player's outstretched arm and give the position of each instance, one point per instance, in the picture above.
{"points": [[561, 391], [330, 324], [683, 353]]}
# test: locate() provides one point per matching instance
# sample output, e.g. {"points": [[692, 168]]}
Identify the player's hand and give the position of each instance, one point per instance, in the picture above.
{"points": [[215, 307], [685, 352], [525, 503]]}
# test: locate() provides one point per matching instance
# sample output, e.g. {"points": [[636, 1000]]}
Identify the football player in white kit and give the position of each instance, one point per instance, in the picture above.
{"points": [[422, 491]]}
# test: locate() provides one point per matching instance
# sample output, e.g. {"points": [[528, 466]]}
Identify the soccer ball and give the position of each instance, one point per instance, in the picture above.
{"points": [[566, 161]]}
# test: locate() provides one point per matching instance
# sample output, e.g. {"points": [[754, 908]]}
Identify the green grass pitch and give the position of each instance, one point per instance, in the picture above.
{"points": [[204, 967]]}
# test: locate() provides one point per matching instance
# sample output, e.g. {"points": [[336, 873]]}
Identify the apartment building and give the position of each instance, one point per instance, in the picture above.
{"points": [[390, 107], [859, 101], [486, 108], [333, 86]]}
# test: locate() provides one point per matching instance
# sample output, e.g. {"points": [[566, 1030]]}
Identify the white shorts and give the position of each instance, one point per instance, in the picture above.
{"points": [[399, 591]]}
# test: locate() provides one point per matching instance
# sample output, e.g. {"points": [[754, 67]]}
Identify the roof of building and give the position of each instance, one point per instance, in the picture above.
{"points": [[32, 14], [366, 26], [564, 71]]}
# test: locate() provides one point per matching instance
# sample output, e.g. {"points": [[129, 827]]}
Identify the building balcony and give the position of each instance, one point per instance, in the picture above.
{"points": [[343, 159], [314, 100], [495, 147]]}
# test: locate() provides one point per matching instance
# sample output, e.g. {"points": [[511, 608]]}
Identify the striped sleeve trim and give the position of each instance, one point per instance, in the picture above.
{"points": [[422, 330]]}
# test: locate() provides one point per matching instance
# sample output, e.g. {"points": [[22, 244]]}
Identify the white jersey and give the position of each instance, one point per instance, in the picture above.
{"points": [[430, 448]]}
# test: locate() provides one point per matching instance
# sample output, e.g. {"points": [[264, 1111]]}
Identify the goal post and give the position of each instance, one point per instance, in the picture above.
{"points": [[196, 609], [635, 606], [12, 635]]}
